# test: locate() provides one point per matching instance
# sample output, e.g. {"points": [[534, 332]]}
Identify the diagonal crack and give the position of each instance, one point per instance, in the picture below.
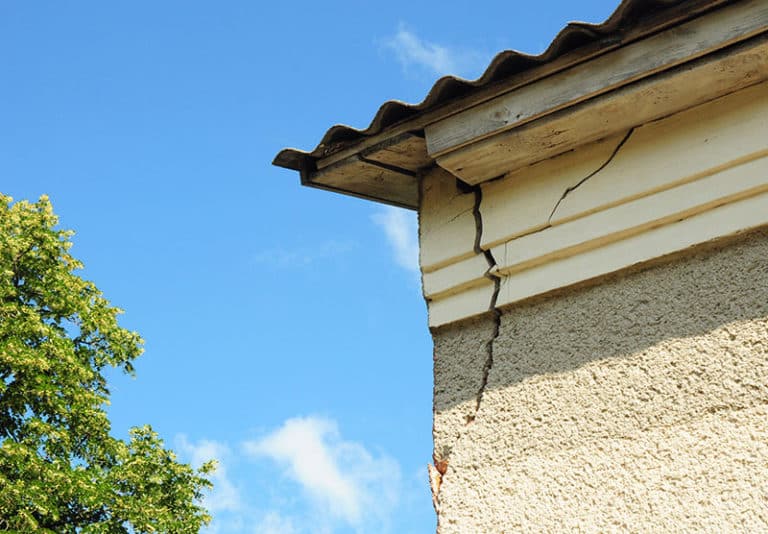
{"points": [[590, 175]]}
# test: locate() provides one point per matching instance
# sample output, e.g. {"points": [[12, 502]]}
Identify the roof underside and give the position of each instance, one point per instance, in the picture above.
{"points": [[575, 43]]}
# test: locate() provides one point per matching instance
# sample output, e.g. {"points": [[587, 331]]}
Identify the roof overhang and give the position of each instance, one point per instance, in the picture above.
{"points": [[650, 59]]}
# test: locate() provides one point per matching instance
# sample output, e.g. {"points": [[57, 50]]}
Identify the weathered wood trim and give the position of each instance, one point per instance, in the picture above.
{"points": [[601, 75], [649, 99], [406, 151], [667, 18], [368, 179]]}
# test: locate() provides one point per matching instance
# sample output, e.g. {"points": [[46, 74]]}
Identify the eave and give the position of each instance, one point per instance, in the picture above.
{"points": [[647, 61]]}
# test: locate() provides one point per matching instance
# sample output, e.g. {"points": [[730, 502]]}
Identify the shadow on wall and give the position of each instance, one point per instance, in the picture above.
{"points": [[652, 347]]}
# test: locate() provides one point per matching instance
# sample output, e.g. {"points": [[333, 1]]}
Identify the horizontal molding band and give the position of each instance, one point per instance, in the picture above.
{"points": [[622, 221], [716, 223], [688, 179], [656, 156], [455, 277], [468, 303]]}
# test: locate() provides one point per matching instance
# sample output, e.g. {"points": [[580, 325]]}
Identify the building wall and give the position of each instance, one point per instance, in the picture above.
{"points": [[661, 187], [637, 404]]}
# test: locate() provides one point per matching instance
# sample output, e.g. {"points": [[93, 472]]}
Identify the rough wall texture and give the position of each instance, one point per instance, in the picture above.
{"points": [[458, 379], [640, 404]]}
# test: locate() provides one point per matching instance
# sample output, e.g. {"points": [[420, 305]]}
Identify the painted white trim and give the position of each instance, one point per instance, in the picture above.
{"points": [[635, 217], [696, 143], [707, 226], [455, 277], [468, 303], [688, 179]]}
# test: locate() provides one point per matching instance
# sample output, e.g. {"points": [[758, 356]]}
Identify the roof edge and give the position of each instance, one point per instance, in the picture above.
{"points": [[632, 19]]}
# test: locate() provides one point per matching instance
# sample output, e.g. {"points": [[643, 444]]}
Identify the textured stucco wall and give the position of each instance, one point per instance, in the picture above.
{"points": [[637, 404]]}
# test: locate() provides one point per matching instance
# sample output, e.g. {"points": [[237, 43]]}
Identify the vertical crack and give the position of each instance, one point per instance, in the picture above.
{"points": [[590, 175], [489, 274], [439, 467]]}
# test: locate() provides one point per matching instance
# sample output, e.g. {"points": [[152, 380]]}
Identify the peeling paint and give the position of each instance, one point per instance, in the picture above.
{"points": [[435, 481]]}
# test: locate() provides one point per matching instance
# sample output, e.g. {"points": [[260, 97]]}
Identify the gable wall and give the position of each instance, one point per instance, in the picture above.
{"points": [[601, 332]]}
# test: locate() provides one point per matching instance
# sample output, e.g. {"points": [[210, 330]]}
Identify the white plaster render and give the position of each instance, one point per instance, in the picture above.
{"points": [[458, 379], [671, 184]]}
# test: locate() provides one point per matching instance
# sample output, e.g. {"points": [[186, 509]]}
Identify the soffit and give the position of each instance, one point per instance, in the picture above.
{"points": [[381, 162]]}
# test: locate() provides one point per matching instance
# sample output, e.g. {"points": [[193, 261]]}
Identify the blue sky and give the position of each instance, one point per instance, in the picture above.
{"points": [[284, 326]]}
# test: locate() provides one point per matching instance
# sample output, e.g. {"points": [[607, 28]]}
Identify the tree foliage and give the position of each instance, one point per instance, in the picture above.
{"points": [[60, 468]]}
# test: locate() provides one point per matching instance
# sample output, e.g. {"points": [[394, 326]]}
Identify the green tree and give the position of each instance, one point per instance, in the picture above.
{"points": [[60, 469]]}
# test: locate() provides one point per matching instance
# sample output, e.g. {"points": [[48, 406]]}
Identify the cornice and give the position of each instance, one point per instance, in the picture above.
{"points": [[665, 186]]}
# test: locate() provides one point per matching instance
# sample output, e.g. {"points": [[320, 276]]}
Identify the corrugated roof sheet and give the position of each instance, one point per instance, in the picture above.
{"points": [[504, 66]]}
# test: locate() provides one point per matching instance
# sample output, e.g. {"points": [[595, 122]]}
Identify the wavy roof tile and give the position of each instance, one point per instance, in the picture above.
{"points": [[506, 65]]}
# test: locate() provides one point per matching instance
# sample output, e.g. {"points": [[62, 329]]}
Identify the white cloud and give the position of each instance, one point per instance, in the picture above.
{"points": [[401, 228], [301, 443], [342, 479], [302, 256], [329, 484], [274, 523], [412, 51], [225, 496]]}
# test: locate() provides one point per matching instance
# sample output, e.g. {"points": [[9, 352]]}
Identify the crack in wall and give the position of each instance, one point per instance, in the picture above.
{"points": [[578, 184], [497, 280], [439, 467], [492, 304], [458, 215]]}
